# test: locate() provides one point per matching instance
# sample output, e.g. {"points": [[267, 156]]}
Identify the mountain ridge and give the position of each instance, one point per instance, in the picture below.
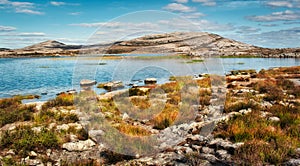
{"points": [[190, 43]]}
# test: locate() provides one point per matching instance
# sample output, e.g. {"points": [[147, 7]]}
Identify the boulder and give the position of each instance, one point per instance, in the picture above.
{"points": [[110, 86], [150, 81], [87, 84]]}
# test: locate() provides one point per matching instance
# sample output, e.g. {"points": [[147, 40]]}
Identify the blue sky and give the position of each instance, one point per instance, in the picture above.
{"points": [[267, 23]]}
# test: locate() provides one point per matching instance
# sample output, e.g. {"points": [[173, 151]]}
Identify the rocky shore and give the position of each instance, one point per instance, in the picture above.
{"points": [[188, 43], [247, 117]]}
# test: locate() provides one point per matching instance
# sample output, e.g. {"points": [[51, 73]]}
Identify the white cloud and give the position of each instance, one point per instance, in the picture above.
{"points": [[284, 38], [25, 34], [31, 34], [29, 11], [22, 4], [7, 28], [75, 13], [196, 25], [60, 3], [100, 24], [248, 30], [117, 25], [287, 15], [177, 7], [20, 7], [206, 2], [280, 4], [193, 15], [181, 1], [56, 3]]}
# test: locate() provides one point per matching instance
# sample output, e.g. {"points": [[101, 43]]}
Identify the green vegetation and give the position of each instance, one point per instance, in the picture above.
{"points": [[239, 56], [265, 141], [24, 140], [12, 110], [61, 100], [195, 61]]}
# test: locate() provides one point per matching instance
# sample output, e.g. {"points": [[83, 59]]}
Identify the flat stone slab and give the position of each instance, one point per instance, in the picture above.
{"points": [[150, 81], [88, 82]]}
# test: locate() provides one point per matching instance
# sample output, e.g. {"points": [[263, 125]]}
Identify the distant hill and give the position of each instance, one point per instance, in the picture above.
{"points": [[190, 43]]}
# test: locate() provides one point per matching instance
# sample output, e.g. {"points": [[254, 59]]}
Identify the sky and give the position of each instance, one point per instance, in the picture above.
{"points": [[265, 23]]}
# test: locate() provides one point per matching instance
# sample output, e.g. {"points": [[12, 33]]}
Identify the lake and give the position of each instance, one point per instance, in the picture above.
{"points": [[51, 75]]}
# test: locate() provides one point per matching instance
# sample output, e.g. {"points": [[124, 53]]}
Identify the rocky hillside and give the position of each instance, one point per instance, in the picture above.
{"points": [[191, 43], [252, 118]]}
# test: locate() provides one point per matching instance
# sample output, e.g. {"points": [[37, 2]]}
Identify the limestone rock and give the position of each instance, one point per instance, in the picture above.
{"points": [[150, 81], [274, 119], [79, 146]]}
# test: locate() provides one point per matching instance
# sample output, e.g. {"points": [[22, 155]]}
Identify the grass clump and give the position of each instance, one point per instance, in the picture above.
{"points": [[141, 103], [166, 118], [12, 110], [24, 140], [61, 100], [132, 130], [235, 107], [265, 142]]}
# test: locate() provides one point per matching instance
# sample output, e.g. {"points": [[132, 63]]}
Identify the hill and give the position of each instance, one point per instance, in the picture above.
{"points": [[190, 43]]}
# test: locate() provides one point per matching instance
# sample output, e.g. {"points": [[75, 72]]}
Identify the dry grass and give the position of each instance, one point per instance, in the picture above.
{"points": [[141, 103], [132, 130], [266, 142], [166, 117]]}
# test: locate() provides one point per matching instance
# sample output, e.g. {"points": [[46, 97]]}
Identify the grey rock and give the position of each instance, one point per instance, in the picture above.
{"points": [[125, 116], [245, 111], [79, 146], [207, 150], [274, 119], [87, 82], [222, 154], [33, 154], [292, 162], [150, 81], [209, 157]]}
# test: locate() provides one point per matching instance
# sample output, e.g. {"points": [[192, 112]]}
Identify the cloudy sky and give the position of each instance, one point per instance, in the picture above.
{"points": [[267, 23]]}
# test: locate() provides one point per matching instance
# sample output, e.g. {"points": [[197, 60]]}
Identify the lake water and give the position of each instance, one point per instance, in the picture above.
{"points": [[53, 75]]}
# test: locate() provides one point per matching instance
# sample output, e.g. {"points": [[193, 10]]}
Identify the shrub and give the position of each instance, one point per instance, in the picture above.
{"points": [[61, 100], [12, 110], [257, 152], [239, 106], [24, 140], [5, 103]]}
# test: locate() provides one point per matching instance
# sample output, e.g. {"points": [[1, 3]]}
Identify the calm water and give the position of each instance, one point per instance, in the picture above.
{"points": [[54, 75]]}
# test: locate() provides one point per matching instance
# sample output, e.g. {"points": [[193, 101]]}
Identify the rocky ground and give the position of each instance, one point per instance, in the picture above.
{"points": [[188, 43], [245, 118]]}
